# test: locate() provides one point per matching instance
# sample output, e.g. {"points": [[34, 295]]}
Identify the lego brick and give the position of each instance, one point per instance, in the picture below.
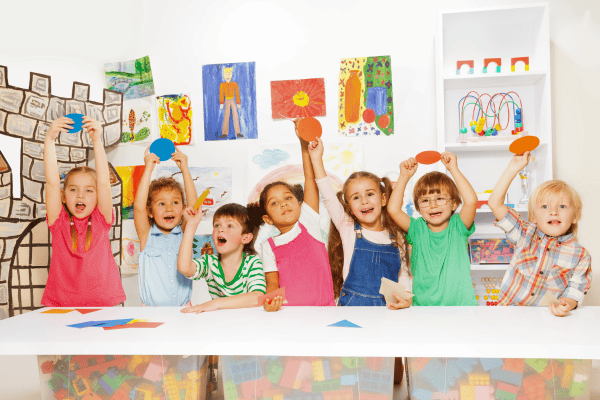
{"points": [[375, 381], [421, 394], [491, 363], [499, 374], [467, 392], [538, 364]]}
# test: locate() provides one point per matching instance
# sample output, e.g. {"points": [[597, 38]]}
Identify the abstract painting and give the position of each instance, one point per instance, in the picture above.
{"points": [[175, 118], [130, 176], [366, 105], [133, 78], [229, 92], [217, 179], [136, 125], [298, 98]]}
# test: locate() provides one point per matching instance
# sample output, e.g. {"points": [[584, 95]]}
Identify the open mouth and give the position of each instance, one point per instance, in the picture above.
{"points": [[169, 218], [80, 206], [437, 214], [221, 240], [367, 211], [554, 222]]}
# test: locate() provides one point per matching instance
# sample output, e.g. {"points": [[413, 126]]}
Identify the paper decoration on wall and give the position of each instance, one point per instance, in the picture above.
{"points": [[136, 125], [298, 98], [130, 176], [203, 244], [218, 179], [366, 104], [131, 253], [229, 101], [26, 114], [133, 78], [175, 118]]}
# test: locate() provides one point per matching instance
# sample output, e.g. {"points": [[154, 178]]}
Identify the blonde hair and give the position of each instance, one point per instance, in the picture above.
{"points": [[435, 182], [556, 188], [88, 234], [334, 245]]}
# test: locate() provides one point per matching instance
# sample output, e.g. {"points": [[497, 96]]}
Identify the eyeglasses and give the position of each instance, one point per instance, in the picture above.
{"points": [[440, 201]]}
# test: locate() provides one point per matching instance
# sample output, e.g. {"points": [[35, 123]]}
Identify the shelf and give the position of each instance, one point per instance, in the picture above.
{"points": [[489, 211], [489, 267], [476, 81], [482, 146]]}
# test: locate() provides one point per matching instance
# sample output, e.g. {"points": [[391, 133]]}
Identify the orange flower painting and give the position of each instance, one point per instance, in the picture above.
{"points": [[298, 98]]}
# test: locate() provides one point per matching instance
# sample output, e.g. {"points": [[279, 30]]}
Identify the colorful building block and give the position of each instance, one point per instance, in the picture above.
{"points": [[484, 392], [143, 391], [487, 61], [375, 363], [464, 364], [451, 395], [534, 387], [421, 394], [500, 374], [503, 395], [515, 60], [491, 363], [479, 379], [317, 367], [538, 364], [290, 372], [157, 367], [344, 394], [577, 388], [470, 63], [275, 370], [247, 370], [188, 364], [353, 362], [326, 386], [467, 392], [567, 377], [514, 365], [231, 391], [47, 367], [375, 381], [349, 379], [60, 394]]}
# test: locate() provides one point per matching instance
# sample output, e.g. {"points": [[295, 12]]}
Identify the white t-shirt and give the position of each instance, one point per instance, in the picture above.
{"points": [[309, 218]]}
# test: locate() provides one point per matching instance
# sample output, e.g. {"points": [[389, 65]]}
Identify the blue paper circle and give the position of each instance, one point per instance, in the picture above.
{"points": [[163, 148], [77, 122]]}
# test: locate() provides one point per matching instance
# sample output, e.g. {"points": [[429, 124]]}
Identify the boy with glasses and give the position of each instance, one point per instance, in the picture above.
{"points": [[439, 260]]}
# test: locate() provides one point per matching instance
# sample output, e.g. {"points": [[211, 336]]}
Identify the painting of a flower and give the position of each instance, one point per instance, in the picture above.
{"points": [[298, 98]]}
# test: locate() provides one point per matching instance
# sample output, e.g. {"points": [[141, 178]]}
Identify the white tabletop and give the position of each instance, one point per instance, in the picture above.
{"points": [[491, 332]]}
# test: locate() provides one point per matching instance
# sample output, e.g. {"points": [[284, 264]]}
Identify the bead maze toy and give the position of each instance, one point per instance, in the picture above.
{"points": [[497, 105]]}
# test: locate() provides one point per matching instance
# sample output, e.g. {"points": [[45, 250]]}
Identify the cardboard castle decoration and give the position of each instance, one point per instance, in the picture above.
{"points": [[25, 248]]}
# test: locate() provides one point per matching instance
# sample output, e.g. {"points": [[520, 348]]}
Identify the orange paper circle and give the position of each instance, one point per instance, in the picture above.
{"points": [[309, 129], [523, 144], [428, 157]]}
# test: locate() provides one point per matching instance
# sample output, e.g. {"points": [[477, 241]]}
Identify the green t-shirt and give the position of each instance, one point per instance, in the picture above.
{"points": [[440, 264]]}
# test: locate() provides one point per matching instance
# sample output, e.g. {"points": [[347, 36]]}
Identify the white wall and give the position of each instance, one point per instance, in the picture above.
{"points": [[71, 41]]}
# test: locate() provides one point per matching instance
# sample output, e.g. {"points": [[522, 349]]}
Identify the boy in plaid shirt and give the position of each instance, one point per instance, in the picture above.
{"points": [[547, 257]]}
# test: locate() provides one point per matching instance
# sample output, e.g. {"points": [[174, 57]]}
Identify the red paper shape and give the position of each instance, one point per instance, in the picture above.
{"points": [[309, 129], [428, 157], [523, 144], [298, 98], [135, 325], [87, 310], [269, 296]]}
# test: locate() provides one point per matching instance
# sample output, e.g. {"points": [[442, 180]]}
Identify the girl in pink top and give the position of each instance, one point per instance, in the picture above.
{"points": [[297, 258], [83, 271]]}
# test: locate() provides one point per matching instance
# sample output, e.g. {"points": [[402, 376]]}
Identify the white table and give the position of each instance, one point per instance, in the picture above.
{"points": [[490, 332]]}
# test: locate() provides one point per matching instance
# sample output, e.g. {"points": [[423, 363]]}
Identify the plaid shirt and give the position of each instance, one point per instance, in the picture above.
{"points": [[542, 264]]}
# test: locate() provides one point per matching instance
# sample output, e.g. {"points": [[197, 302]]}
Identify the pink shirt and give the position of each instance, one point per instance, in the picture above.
{"points": [[82, 279]]}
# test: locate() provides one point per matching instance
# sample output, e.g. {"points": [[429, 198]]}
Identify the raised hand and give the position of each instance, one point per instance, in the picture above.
{"points": [[93, 128], [62, 124], [408, 168]]}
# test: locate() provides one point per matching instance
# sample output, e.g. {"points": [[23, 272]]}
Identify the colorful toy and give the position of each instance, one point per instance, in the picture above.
{"points": [[515, 60], [375, 381], [493, 109], [487, 61], [490, 251], [459, 65]]}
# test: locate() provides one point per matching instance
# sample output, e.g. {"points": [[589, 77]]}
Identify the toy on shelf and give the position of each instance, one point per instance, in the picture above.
{"points": [[497, 106], [490, 251], [487, 61], [515, 60], [470, 63]]}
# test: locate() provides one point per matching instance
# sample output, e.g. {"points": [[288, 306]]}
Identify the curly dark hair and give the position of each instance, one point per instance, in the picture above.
{"points": [[159, 184], [258, 210]]}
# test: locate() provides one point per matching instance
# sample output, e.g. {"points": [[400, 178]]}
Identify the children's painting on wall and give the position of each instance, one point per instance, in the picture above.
{"points": [[366, 105], [217, 179], [298, 98], [136, 125], [343, 158], [175, 118], [490, 251], [130, 252], [203, 244], [229, 92], [130, 176], [133, 78]]}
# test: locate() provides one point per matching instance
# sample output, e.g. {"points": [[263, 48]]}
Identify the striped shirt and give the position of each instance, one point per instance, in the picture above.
{"points": [[541, 263], [249, 278]]}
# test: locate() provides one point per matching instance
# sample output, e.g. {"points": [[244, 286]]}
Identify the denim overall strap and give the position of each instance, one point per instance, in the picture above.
{"points": [[370, 262]]}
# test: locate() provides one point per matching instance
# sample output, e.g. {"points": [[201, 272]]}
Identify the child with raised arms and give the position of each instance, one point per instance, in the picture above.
{"points": [[297, 258], [439, 260], [547, 258], [157, 215], [83, 271], [234, 275]]}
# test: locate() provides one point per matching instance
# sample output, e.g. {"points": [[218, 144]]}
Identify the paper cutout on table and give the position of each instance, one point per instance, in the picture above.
{"points": [[298, 98], [309, 129], [345, 324], [201, 199], [366, 105], [104, 323], [130, 178], [269, 296], [133, 321], [87, 310], [175, 118], [428, 157], [548, 299], [136, 125], [134, 325], [77, 122], [56, 311], [523, 144], [229, 92], [388, 287], [133, 78], [163, 148]]}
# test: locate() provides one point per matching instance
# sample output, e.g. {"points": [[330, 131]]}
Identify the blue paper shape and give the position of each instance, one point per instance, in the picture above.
{"points": [[101, 324], [77, 122], [345, 324], [163, 148]]}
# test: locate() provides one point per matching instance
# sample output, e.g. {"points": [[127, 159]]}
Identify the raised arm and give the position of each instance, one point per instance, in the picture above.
{"points": [[102, 175], [496, 200], [243, 300], [140, 211], [185, 265], [408, 168], [53, 194], [191, 195], [469, 197], [311, 191], [315, 151]]}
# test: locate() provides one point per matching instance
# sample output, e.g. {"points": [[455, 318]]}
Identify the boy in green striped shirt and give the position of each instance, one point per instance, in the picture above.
{"points": [[235, 275]]}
